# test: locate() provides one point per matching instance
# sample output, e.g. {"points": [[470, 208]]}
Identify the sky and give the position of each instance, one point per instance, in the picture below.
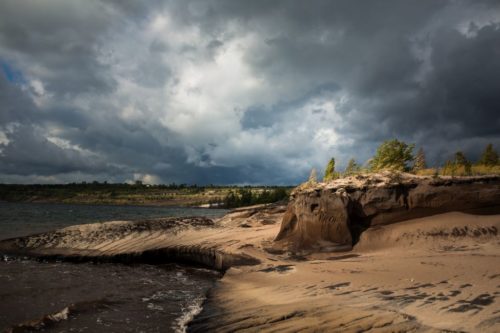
{"points": [[239, 92]]}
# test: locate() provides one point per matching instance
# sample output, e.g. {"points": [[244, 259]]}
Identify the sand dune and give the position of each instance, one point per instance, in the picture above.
{"points": [[425, 275], [453, 231]]}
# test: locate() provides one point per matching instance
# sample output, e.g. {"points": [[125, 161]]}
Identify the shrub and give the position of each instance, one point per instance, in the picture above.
{"points": [[352, 168], [313, 177], [485, 170], [427, 172], [462, 162], [247, 197]]}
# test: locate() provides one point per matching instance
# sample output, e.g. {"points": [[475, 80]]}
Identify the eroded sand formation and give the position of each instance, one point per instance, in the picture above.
{"points": [[428, 274], [336, 213]]}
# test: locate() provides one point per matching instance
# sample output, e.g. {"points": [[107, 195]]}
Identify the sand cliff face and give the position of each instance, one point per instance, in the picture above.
{"points": [[334, 214]]}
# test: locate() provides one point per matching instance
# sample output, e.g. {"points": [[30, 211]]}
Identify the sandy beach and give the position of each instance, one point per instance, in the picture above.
{"points": [[439, 273], [413, 276], [419, 275]]}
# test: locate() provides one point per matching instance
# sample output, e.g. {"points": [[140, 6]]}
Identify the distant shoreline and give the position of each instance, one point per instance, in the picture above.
{"points": [[104, 203], [142, 195], [148, 204]]}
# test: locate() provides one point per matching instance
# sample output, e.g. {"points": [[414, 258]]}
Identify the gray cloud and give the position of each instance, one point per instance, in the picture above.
{"points": [[59, 41], [220, 91], [30, 153], [266, 116]]}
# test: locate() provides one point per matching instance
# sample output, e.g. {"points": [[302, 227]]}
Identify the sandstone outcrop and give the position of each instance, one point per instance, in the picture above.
{"points": [[332, 214], [175, 239]]}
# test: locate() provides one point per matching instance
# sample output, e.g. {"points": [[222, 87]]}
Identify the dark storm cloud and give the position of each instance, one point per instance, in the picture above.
{"points": [[223, 91], [28, 151], [31, 153], [124, 148], [466, 79], [264, 116], [373, 60], [457, 101], [15, 106], [61, 38]]}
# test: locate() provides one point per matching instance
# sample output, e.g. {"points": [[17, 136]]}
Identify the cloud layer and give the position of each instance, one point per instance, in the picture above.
{"points": [[246, 92]]}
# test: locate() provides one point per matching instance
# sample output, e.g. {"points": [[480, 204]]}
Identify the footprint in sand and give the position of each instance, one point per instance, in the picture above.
{"points": [[338, 285], [476, 304], [278, 269]]}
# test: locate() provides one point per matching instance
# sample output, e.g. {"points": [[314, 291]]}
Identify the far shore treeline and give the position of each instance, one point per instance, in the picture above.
{"points": [[103, 193]]}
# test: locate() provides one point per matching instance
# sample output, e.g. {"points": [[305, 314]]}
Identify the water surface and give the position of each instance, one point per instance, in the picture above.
{"points": [[21, 219], [91, 297]]}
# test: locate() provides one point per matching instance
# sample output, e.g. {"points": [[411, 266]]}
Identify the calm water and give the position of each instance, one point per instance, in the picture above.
{"points": [[95, 297]]}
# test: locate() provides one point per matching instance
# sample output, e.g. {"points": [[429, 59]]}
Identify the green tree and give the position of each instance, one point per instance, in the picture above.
{"points": [[245, 197], [420, 162], [313, 177], [330, 170], [489, 156], [352, 167], [278, 194], [462, 161], [449, 168], [392, 155], [231, 200]]}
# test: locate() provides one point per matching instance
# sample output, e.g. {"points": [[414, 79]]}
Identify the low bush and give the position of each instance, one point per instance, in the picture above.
{"points": [[427, 172], [246, 197]]}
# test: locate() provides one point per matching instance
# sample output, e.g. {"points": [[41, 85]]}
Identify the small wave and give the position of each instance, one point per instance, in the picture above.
{"points": [[188, 313], [11, 258], [55, 317], [39, 324]]}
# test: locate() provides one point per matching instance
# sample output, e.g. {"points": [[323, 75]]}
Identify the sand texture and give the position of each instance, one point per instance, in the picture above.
{"points": [[434, 274]]}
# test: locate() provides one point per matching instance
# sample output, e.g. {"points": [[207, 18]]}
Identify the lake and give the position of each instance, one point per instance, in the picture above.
{"points": [[91, 297]]}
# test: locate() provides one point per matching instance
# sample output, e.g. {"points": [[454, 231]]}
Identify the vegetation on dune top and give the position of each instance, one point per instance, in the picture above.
{"points": [[397, 156], [330, 172], [392, 155], [489, 157], [352, 168], [420, 163]]}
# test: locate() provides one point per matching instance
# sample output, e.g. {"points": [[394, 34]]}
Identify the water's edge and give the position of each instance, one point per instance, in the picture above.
{"points": [[23, 219], [180, 324], [188, 256]]}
